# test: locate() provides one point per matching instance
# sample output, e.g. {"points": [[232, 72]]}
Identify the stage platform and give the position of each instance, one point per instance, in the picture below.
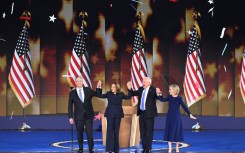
{"points": [[61, 141]]}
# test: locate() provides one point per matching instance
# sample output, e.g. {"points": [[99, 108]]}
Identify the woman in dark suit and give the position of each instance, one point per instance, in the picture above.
{"points": [[113, 114]]}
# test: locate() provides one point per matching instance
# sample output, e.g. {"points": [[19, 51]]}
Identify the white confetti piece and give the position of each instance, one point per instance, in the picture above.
{"points": [[229, 94], [133, 7], [224, 49], [222, 33], [212, 11], [225, 68], [12, 8], [210, 1], [52, 18], [137, 1], [2, 39], [11, 115], [4, 15], [66, 76]]}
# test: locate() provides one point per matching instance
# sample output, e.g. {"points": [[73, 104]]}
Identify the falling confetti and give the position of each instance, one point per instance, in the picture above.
{"points": [[133, 7], [4, 15], [66, 76], [224, 49], [210, 1], [52, 18], [225, 68], [229, 94], [222, 33], [98, 117], [12, 8], [137, 1], [211, 10], [2, 39], [11, 115], [110, 5]]}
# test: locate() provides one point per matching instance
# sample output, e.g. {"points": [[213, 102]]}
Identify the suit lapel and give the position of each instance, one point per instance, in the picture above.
{"points": [[149, 91], [76, 94], [85, 93]]}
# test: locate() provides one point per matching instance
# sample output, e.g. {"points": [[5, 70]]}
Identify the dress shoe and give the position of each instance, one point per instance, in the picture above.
{"points": [[147, 151], [143, 151], [91, 151], [80, 151]]}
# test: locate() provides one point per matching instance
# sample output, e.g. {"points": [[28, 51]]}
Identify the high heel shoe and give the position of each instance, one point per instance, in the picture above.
{"points": [[169, 150]]}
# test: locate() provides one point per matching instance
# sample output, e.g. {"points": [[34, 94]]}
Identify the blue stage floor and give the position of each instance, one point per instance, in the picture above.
{"points": [[60, 141]]}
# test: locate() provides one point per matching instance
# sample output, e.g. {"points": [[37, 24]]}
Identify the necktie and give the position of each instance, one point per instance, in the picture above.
{"points": [[142, 104], [80, 94]]}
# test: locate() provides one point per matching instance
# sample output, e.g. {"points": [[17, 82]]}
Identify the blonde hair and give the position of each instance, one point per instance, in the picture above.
{"points": [[175, 88]]}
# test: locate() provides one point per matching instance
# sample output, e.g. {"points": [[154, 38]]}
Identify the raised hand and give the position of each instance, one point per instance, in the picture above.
{"points": [[99, 84], [71, 120], [158, 91], [129, 85]]}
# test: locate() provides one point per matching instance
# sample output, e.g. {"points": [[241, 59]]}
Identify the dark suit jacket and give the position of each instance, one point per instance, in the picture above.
{"points": [[114, 107], [150, 104], [81, 108]]}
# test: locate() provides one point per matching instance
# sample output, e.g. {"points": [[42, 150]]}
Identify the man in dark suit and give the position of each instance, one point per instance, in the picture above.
{"points": [[81, 98], [146, 110]]}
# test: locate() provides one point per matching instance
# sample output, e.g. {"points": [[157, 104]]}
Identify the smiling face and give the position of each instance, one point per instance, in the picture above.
{"points": [[79, 82], [174, 90], [113, 88], [171, 91], [146, 82]]}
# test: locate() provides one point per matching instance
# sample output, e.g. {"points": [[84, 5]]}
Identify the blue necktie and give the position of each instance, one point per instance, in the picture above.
{"points": [[142, 104], [80, 94]]}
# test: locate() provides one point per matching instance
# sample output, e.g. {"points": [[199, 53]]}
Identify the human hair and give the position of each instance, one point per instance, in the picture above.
{"points": [[79, 77], [118, 87], [175, 88], [147, 79]]}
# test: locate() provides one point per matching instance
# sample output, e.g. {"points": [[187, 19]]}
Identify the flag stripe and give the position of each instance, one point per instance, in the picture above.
{"points": [[21, 76], [21, 79], [193, 73], [242, 80], [139, 66], [79, 65], [194, 85], [199, 73], [17, 87]]}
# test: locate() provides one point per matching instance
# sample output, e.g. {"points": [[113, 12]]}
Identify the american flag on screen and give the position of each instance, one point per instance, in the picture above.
{"points": [[139, 66], [21, 76], [79, 65], [194, 86], [242, 81]]}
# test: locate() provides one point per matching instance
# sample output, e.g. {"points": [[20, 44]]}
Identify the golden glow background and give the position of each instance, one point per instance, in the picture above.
{"points": [[111, 26]]}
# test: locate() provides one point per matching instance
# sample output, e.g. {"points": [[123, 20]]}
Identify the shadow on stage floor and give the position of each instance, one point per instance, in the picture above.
{"points": [[61, 141]]}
